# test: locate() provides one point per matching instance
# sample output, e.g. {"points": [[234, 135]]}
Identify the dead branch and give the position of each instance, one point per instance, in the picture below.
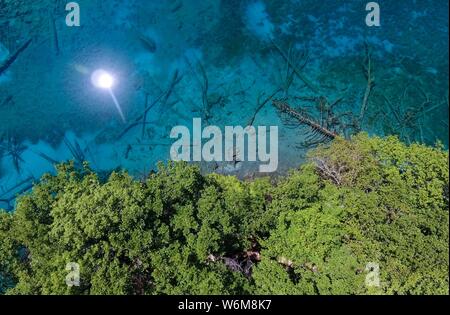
{"points": [[176, 78], [287, 74], [144, 119], [327, 171], [55, 34], [368, 71], [296, 70], [260, 105], [408, 123], [204, 85], [205, 88], [284, 107], [138, 120], [163, 98], [14, 56], [147, 42]]}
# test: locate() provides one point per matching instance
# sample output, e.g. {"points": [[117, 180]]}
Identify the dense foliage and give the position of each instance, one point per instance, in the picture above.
{"points": [[358, 203]]}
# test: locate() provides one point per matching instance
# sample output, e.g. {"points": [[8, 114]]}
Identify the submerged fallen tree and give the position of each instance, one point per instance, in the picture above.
{"points": [[358, 207], [303, 118]]}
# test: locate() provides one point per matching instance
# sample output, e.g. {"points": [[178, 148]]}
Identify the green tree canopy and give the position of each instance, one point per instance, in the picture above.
{"points": [[358, 203]]}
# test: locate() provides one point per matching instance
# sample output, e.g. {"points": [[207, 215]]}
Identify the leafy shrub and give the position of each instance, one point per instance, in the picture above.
{"points": [[390, 207], [368, 200]]}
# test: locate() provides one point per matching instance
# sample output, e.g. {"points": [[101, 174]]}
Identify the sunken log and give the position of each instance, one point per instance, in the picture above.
{"points": [[284, 107]]}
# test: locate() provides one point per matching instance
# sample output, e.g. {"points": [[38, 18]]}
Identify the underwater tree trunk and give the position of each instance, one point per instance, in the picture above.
{"points": [[285, 108], [13, 57]]}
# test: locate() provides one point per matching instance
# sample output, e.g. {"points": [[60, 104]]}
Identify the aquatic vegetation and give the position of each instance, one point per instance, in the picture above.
{"points": [[180, 232]]}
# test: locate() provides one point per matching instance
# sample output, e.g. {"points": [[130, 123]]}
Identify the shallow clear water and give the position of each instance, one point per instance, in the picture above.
{"points": [[221, 61]]}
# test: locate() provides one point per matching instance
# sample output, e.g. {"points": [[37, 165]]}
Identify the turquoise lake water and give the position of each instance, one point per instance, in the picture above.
{"points": [[224, 61]]}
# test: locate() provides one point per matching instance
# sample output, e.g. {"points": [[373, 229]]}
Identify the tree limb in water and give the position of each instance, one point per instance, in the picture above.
{"points": [[260, 105], [370, 83], [163, 98], [285, 108], [296, 70], [13, 57]]}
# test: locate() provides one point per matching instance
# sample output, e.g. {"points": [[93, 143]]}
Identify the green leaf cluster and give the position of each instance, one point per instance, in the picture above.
{"points": [[356, 203]]}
